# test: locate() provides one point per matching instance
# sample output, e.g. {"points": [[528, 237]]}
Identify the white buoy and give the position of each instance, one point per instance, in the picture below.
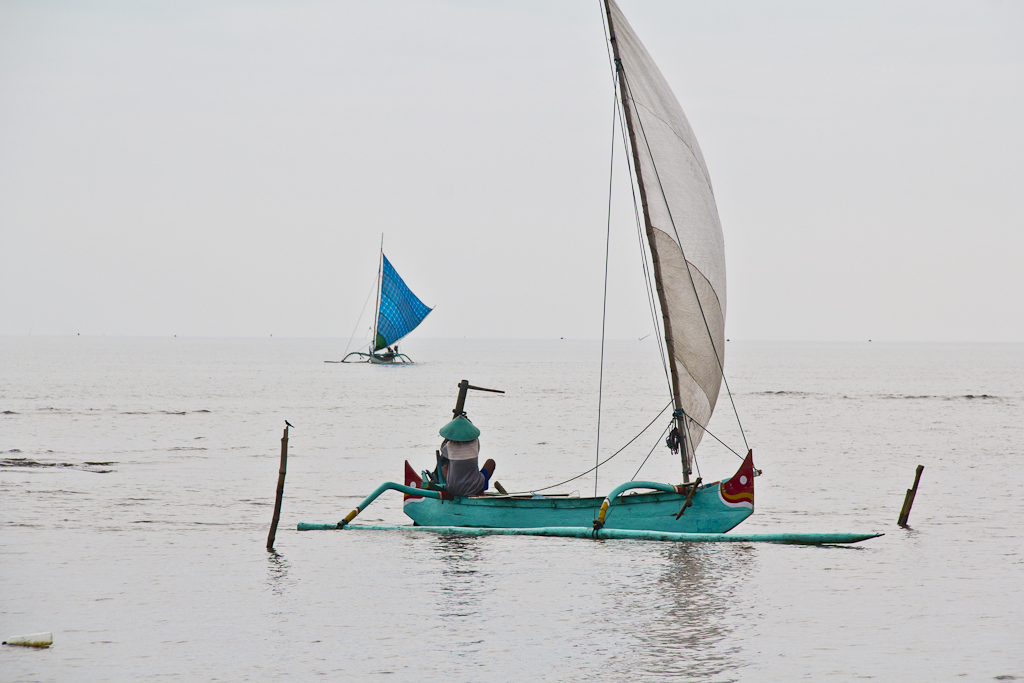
{"points": [[32, 640]]}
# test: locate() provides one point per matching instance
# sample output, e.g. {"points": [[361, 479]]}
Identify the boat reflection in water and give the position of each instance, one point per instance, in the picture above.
{"points": [[681, 620], [464, 589], [649, 611]]}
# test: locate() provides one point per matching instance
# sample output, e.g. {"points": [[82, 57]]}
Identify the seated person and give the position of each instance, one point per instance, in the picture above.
{"points": [[462, 448]]}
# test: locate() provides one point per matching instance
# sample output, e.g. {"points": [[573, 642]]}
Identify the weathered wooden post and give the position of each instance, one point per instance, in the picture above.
{"points": [[280, 486], [908, 502]]}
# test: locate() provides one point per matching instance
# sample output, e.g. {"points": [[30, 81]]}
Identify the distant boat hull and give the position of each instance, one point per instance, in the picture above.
{"points": [[377, 359]]}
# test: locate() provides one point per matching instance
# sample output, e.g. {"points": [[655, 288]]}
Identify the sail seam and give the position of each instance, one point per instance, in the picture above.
{"points": [[692, 265], [703, 170]]}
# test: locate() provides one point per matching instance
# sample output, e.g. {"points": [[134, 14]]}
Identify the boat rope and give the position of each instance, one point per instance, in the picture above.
{"points": [[693, 450], [583, 474], [656, 443], [604, 301], [359, 319], [705, 430], [689, 274]]}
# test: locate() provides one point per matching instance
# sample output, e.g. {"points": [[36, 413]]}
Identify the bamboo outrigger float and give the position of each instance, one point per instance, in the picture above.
{"points": [[687, 261], [614, 534]]}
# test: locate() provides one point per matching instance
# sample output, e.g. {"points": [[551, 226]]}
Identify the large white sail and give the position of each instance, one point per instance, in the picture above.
{"points": [[681, 219]]}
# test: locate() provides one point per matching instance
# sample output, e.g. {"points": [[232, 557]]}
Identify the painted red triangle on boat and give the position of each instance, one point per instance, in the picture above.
{"points": [[412, 479], [738, 491]]}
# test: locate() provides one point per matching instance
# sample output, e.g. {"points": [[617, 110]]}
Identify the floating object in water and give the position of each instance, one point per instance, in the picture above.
{"points": [[32, 640]]}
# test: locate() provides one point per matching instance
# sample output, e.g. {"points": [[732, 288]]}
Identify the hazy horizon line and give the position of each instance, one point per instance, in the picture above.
{"points": [[507, 339]]}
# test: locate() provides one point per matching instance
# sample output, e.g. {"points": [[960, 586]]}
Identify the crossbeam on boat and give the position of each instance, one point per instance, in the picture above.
{"points": [[609, 534]]}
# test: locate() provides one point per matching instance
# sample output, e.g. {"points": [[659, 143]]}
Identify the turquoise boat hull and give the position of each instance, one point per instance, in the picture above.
{"points": [[715, 508], [702, 515], [642, 512]]}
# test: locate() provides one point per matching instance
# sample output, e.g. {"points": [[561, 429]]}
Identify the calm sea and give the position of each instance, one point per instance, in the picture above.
{"points": [[137, 479]]}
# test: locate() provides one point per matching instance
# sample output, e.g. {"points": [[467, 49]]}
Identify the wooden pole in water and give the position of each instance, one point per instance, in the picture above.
{"points": [[280, 487], [908, 502]]}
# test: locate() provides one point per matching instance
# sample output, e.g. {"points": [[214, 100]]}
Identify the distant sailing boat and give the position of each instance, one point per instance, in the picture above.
{"points": [[398, 313], [687, 252]]}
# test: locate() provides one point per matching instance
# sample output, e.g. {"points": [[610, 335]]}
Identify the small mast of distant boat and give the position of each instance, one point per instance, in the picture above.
{"points": [[398, 312]]}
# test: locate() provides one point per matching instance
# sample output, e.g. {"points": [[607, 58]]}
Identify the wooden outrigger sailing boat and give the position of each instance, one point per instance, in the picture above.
{"points": [[398, 313], [687, 252], [690, 507]]}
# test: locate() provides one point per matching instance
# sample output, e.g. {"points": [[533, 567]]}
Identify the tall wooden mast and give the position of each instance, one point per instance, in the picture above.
{"points": [[376, 308], [678, 417]]}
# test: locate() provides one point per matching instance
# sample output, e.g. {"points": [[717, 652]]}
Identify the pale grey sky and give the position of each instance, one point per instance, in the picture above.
{"points": [[223, 169]]}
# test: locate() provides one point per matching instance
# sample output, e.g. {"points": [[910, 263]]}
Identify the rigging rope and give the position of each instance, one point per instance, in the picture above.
{"points": [[583, 474], [629, 443], [358, 320], [663, 433], [705, 430], [604, 302]]}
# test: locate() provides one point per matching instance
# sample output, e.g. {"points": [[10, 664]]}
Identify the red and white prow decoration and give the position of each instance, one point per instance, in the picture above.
{"points": [[738, 492], [414, 480]]}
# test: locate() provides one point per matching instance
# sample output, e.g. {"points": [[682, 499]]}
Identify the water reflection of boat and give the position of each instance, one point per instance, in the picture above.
{"points": [[686, 637], [463, 592]]}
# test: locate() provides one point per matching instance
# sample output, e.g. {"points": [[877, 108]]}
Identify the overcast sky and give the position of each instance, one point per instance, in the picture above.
{"points": [[228, 169]]}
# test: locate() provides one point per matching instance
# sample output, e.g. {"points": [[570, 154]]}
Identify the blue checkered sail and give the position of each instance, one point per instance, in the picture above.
{"points": [[400, 310]]}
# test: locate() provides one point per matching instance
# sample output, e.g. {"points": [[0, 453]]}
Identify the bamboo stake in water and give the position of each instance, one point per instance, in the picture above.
{"points": [[908, 502], [280, 487]]}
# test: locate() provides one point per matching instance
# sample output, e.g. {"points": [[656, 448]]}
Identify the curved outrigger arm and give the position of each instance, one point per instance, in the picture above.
{"points": [[741, 493], [392, 486], [621, 488]]}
